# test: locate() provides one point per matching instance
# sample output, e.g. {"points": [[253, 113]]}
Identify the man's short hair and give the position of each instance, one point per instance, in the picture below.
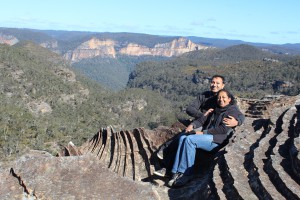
{"points": [[218, 76]]}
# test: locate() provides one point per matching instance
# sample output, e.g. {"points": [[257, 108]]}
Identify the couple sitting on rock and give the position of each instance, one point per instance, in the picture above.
{"points": [[215, 113]]}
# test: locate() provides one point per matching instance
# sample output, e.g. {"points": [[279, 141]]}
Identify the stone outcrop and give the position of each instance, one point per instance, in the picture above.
{"points": [[8, 39], [261, 108], [92, 48], [50, 44], [260, 161], [174, 48], [39, 175]]}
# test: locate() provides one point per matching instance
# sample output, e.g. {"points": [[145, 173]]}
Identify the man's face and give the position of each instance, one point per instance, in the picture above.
{"points": [[216, 84]]}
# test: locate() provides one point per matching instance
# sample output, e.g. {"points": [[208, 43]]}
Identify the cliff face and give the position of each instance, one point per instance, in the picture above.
{"points": [[92, 48], [8, 39], [174, 48], [110, 48]]}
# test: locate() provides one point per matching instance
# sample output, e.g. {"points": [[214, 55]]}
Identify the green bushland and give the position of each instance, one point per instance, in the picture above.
{"points": [[44, 104]]}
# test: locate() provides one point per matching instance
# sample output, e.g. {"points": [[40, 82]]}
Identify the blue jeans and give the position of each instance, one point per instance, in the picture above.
{"points": [[186, 151]]}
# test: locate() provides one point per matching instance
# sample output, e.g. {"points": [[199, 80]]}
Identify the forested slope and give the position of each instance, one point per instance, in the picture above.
{"points": [[45, 103], [249, 72]]}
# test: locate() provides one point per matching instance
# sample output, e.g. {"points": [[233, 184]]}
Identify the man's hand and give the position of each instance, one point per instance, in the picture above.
{"points": [[230, 121]]}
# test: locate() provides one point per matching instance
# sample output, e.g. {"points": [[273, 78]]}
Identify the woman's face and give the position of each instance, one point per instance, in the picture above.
{"points": [[223, 99]]}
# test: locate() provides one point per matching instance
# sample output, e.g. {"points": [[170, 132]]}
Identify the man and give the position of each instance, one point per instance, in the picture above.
{"points": [[196, 109]]}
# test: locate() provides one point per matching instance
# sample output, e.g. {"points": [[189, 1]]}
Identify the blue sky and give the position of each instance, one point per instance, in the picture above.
{"points": [[266, 21]]}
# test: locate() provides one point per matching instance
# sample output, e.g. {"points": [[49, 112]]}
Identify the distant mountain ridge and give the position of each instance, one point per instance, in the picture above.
{"points": [[62, 41], [233, 53], [82, 45], [224, 43]]}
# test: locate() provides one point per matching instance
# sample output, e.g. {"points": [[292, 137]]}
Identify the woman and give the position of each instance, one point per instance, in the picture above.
{"points": [[214, 133]]}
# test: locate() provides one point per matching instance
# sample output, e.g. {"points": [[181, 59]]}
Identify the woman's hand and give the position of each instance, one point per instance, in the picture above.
{"points": [[208, 112], [189, 128]]}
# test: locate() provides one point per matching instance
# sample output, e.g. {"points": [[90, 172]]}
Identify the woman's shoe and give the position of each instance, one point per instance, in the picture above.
{"points": [[182, 180], [173, 179]]}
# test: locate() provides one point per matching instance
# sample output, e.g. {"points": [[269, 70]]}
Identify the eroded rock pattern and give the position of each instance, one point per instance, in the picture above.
{"points": [[260, 161]]}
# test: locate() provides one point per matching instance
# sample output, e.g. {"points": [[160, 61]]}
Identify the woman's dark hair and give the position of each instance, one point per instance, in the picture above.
{"points": [[232, 101]]}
